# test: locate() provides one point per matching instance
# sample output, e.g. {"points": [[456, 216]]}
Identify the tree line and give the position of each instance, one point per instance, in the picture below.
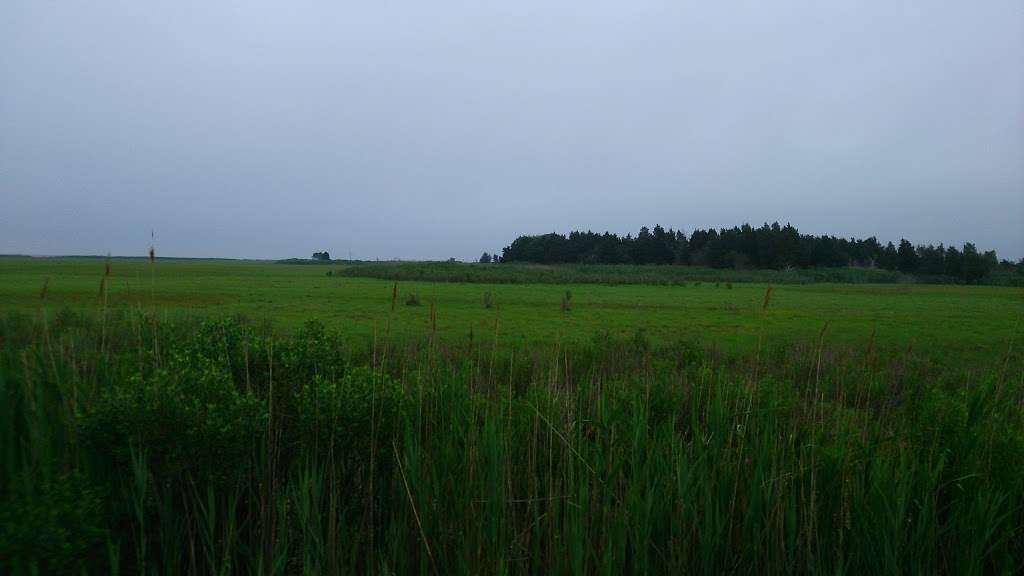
{"points": [[767, 247]]}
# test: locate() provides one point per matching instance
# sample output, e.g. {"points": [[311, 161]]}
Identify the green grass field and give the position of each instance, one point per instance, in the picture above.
{"points": [[226, 417], [954, 321]]}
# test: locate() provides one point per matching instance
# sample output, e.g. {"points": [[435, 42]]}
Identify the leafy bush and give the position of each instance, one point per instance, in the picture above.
{"points": [[342, 413], [187, 416], [56, 526], [312, 351]]}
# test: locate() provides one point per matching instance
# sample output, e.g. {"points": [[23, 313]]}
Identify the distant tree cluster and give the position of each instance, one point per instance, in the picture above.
{"points": [[767, 247], [322, 255], [486, 258]]}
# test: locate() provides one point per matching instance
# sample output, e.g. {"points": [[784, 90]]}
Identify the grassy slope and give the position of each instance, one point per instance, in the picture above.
{"points": [[954, 321]]}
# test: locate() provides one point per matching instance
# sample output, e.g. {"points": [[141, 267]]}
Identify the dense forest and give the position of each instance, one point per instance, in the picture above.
{"points": [[768, 247]]}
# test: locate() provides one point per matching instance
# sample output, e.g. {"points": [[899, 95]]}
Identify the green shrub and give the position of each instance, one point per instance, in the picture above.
{"points": [[55, 526], [342, 413], [312, 351], [187, 416]]}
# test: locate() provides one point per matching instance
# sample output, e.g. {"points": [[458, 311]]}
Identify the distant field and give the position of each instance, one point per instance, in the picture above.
{"points": [[949, 321], [611, 274]]}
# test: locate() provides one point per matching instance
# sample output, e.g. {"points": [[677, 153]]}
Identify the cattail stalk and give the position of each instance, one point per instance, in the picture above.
{"points": [[433, 318]]}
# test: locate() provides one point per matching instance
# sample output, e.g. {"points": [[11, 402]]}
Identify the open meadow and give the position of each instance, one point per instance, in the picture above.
{"points": [[941, 321]]}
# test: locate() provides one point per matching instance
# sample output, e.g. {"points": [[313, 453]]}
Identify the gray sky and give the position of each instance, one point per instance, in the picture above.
{"points": [[265, 129]]}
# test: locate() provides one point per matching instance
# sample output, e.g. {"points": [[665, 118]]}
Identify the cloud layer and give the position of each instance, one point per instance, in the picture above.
{"points": [[436, 129]]}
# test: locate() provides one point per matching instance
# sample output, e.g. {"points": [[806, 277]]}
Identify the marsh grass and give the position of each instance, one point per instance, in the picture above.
{"points": [[509, 273], [218, 447]]}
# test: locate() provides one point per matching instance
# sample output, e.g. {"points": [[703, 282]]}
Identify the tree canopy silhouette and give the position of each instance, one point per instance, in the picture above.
{"points": [[769, 247]]}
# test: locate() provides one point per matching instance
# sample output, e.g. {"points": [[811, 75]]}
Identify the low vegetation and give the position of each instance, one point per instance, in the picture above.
{"points": [[965, 323], [610, 274], [137, 445], [148, 427]]}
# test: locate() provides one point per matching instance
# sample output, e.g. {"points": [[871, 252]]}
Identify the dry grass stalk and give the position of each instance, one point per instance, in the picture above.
{"points": [[767, 297], [415, 512]]}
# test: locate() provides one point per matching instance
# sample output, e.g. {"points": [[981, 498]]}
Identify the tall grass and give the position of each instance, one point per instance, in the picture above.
{"points": [[226, 449]]}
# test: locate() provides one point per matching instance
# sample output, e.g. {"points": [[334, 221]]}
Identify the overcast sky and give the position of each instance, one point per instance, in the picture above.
{"points": [[383, 129]]}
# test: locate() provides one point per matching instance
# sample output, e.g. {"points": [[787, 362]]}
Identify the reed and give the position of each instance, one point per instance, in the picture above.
{"points": [[767, 297], [234, 449]]}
